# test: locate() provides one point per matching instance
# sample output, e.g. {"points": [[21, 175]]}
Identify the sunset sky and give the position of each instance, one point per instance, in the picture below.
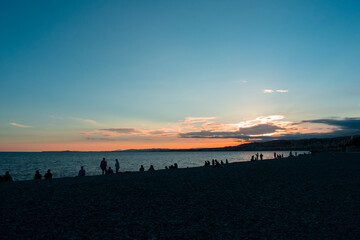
{"points": [[108, 75]]}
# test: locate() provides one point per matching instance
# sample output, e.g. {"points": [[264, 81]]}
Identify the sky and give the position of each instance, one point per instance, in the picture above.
{"points": [[111, 75]]}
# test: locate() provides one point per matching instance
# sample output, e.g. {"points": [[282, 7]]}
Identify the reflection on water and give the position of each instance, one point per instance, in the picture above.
{"points": [[22, 166]]}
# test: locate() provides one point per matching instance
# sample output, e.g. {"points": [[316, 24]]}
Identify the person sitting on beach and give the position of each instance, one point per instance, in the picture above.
{"points": [[141, 168], [151, 168], [117, 165], [48, 175], [103, 166], [261, 156], [252, 158], [110, 171], [217, 164], [37, 175], [82, 172], [7, 177], [175, 165], [222, 162]]}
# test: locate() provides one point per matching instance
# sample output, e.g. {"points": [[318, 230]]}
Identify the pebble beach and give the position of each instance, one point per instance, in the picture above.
{"points": [[306, 197]]}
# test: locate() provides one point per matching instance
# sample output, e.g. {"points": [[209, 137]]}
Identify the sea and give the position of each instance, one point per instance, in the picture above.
{"points": [[22, 165]]}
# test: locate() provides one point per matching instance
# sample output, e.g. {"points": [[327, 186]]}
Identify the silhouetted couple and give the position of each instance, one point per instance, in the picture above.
{"points": [[6, 178], [48, 175]]}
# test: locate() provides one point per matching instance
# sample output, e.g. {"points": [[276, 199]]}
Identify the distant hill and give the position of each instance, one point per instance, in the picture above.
{"points": [[313, 144]]}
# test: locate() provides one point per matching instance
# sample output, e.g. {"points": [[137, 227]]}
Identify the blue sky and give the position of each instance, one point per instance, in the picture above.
{"points": [[153, 64]]}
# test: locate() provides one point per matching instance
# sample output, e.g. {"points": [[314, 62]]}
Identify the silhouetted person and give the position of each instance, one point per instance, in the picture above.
{"points": [[82, 172], [261, 156], [217, 164], [117, 165], [141, 168], [48, 175], [257, 156], [151, 168], [221, 162], [290, 154], [110, 171], [37, 175], [252, 158], [103, 166], [175, 165], [213, 162], [7, 177], [274, 155], [227, 162]]}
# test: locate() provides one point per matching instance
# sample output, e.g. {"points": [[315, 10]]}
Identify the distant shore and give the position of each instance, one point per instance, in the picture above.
{"points": [[307, 197]]}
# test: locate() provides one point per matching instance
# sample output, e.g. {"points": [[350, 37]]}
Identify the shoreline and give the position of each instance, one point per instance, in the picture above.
{"points": [[309, 197]]}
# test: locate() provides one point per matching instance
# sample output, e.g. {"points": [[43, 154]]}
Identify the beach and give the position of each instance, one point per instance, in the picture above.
{"points": [[306, 197]]}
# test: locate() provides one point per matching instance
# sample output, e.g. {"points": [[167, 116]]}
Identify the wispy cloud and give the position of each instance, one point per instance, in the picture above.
{"points": [[85, 120], [275, 91], [19, 125], [268, 91]]}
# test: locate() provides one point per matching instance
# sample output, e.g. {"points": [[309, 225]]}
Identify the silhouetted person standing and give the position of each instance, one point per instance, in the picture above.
{"points": [[7, 177], [103, 166], [82, 172], [37, 175], [48, 175], [151, 168], [117, 165], [261, 156]]}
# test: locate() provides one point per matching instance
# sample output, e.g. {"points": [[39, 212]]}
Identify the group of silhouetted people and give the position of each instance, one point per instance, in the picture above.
{"points": [[215, 163], [108, 170], [48, 175], [256, 157], [174, 166]]}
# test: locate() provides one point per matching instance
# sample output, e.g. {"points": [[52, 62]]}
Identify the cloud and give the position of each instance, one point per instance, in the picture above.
{"points": [[346, 123], [243, 133], [262, 128], [19, 125], [198, 119], [278, 91], [268, 91], [85, 120]]}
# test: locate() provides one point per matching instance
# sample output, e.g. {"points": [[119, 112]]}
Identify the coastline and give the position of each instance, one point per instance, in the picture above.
{"points": [[313, 197]]}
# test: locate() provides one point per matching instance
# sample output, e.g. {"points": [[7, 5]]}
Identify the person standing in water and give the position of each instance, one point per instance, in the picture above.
{"points": [[117, 165]]}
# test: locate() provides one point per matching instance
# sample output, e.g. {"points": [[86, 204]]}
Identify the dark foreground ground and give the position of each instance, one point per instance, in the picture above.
{"points": [[312, 197]]}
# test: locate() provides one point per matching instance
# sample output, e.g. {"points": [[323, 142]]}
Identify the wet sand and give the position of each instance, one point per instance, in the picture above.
{"points": [[308, 197]]}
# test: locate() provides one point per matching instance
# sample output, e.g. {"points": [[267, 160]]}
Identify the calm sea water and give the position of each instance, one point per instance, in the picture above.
{"points": [[22, 166]]}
